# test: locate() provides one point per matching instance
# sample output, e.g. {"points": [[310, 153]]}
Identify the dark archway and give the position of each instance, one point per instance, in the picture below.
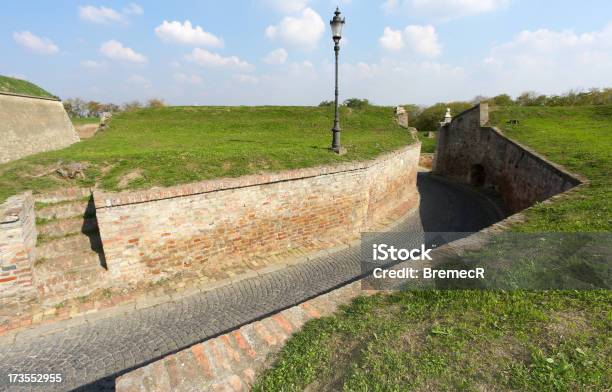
{"points": [[477, 175]]}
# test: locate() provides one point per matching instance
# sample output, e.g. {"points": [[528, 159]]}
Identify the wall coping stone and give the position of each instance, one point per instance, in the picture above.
{"points": [[11, 210], [114, 199], [30, 96]]}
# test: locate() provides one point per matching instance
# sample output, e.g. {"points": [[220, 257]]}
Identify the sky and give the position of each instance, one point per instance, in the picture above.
{"points": [[280, 52]]}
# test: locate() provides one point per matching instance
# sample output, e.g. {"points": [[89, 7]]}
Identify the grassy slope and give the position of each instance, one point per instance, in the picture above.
{"points": [[175, 145], [580, 138], [18, 86], [84, 120], [480, 340]]}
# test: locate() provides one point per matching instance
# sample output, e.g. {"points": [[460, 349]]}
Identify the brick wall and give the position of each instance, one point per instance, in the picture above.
{"points": [[471, 152], [29, 125], [217, 225], [17, 243]]}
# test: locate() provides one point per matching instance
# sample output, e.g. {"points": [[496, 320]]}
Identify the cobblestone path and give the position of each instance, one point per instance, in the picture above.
{"points": [[91, 355]]}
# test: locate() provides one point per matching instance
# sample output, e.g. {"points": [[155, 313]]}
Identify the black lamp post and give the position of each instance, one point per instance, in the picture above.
{"points": [[336, 26]]}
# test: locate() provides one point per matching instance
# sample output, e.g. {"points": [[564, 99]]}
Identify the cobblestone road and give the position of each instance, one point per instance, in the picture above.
{"points": [[91, 355]]}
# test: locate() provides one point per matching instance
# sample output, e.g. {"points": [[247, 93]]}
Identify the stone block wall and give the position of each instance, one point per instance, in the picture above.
{"points": [[29, 125], [401, 116], [17, 245], [215, 225], [471, 152]]}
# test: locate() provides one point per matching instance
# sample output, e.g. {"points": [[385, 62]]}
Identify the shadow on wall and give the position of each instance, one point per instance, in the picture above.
{"points": [[91, 230]]}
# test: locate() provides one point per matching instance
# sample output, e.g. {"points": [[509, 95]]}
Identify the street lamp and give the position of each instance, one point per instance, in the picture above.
{"points": [[336, 26]]}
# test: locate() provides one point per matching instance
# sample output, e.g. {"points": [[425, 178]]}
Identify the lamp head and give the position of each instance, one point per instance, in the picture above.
{"points": [[336, 26]]}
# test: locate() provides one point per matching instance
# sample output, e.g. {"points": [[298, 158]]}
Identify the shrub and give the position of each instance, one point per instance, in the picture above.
{"points": [[155, 103], [429, 119], [356, 103]]}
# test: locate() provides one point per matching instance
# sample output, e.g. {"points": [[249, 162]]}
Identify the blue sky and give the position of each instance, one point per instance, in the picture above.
{"points": [[280, 52]]}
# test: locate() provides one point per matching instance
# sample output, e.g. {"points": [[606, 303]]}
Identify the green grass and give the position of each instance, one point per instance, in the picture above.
{"points": [[474, 340], [84, 120], [18, 86], [428, 145], [579, 138], [174, 145], [453, 341]]}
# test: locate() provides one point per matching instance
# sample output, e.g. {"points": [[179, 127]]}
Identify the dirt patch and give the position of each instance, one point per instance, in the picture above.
{"points": [[426, 161], [566, 324], [86, 131], [126, 179]]}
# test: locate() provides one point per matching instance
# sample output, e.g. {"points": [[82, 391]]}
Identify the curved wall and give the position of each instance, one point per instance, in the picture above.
{"points": [[223, 224]]}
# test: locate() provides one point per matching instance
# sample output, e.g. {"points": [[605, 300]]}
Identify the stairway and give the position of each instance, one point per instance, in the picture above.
{"points": [[69, 256]]}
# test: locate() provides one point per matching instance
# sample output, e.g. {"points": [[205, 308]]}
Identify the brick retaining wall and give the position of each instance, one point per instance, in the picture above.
{"points": [[471, 152], [220, 224], [17, 244]]}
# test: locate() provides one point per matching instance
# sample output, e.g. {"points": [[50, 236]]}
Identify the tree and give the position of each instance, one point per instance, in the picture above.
{"points": [[479, 98], [110, 107], [412, 110], [94, 108], [75, 107], [356, 103], [429, 119], [155, 103], [68, 107], [528, 98], [130, 106], [326, 103], [502, 100]]}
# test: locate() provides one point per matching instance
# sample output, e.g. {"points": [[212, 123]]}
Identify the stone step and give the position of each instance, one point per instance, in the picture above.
{"points": [[70, 262], [67, 226], [66, 194], [63, 210], [68, 246], [76, 282]]}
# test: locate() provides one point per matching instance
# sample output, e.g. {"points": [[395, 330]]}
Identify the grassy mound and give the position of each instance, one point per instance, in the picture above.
{"points": [[480, 340], [18, 86], [579, 138], [173, 145], [452, 341]]}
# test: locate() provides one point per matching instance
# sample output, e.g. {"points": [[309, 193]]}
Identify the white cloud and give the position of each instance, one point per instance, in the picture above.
{"points": [[443, 9], [243, 78], [392, 39], [91, 13], [91, 64], [422, 40], [184, 33], [133, 9], [540, 59], [34, 43], [277, 56], [116, 51], [288, 6], [304, 30], [205, 58], [104, 15], [139, 80], [188, 79]]}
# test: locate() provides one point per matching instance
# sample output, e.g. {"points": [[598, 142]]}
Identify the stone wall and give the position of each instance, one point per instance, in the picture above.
{"points": [[17, 245], [29, 125], [217, 225], [471, 152]]}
